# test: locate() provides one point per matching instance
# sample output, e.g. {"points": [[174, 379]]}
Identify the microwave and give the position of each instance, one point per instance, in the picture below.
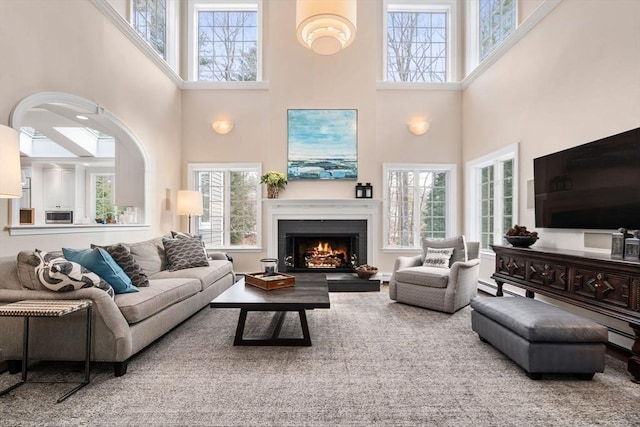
{"points": [[58, 217]]}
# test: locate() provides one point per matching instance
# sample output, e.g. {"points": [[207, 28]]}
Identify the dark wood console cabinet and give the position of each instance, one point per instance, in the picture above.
{"points": [[589, 280]]}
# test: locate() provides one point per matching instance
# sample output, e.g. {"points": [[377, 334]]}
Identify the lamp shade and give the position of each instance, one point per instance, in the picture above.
{"points": [[189, 202], [326, 26], [10, 174]]}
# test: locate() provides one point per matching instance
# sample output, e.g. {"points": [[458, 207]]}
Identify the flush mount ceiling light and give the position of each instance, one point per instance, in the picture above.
{"points": [[222, 127], [326, 26], [418, 127]]}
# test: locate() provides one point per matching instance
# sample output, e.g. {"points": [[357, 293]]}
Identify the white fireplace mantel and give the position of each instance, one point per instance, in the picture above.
{"points": [[314, 209]]}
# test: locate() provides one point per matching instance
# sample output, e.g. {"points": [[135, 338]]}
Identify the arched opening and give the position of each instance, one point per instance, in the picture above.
{"points": [[80, 164]]}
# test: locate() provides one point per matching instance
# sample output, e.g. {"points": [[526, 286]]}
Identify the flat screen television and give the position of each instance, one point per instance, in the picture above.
{"points": [[591, 186]]}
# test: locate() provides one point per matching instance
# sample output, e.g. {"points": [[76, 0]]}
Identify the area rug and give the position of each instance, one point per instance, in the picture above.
{"points": [[373, 362]]}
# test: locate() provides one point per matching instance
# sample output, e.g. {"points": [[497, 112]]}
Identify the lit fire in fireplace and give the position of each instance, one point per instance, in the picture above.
{"points": [[324, 256]]}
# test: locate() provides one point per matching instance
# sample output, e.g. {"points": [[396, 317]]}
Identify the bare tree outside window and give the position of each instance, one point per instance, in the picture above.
{"points": [[150, 21], [417, 46], [227, 45], [417, 206]]}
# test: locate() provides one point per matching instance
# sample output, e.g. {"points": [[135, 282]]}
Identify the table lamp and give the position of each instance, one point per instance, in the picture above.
{"points": [[189, 203]]}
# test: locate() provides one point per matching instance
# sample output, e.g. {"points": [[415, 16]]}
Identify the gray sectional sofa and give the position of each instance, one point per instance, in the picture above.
{"points": [[122, 326]]}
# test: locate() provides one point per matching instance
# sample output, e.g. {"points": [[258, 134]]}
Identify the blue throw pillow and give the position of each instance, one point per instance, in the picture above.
{"points": [[100, 262]]}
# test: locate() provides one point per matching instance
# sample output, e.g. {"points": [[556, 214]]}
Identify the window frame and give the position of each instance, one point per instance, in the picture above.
{"points": [[172, 31], [472, 37], [192, 168], [194, 7], [450, 7], [473, 201], [451, 169]]}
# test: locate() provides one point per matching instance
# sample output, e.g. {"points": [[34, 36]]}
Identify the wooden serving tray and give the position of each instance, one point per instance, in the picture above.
{"points": [[261, 281]]}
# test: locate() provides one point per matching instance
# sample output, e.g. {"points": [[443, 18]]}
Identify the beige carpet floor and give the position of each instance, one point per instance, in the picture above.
{"points": [[373, 362]]}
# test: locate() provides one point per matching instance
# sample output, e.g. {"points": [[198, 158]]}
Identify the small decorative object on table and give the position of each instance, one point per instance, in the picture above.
{"points": [[269, 266], [519, 237], [366, 271], [275, 181], [617, 242], [274, 281], [632, 246]]}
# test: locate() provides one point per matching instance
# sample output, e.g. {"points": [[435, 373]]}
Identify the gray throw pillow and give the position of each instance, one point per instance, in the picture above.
{"points": [[184, 253], [458, 244], [122, 256], [438, 257]]}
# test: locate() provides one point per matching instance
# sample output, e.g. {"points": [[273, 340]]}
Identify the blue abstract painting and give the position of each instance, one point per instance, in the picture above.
{"points": [[323, 144]]}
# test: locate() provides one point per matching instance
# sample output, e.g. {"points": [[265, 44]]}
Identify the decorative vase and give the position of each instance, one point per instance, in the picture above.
{"points": [[272, 191]]}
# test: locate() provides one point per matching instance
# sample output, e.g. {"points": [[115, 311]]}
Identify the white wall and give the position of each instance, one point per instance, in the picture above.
{"points": [[69, 46], [299, 78], [573, 79]]}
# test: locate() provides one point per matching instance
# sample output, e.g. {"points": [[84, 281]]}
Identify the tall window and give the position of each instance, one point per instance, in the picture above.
{"points": [[418, 41], [497, 21], [149, 18], [419, 200], [492, 201], [226, 47], [231, 195]]}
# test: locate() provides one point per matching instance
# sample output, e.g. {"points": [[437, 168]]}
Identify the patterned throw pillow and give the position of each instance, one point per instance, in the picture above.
{"points": [[438, 257], [122, 256], [100, 262], [182, 235], [60, 275], [458, 244], [184, 253]]}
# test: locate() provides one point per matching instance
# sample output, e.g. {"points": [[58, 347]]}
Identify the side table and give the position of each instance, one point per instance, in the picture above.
{"points": [[47, 308]]}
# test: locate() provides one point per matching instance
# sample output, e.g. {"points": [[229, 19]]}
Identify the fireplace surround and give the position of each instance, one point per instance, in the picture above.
{"points": [[366, 211]]}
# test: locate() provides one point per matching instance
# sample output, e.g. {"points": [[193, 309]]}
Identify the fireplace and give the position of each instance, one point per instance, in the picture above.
{"points": [[320, 252], [321, 245]]}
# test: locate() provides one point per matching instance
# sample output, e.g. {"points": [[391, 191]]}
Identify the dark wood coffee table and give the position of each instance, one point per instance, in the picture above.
{"points": [[305, 295]]}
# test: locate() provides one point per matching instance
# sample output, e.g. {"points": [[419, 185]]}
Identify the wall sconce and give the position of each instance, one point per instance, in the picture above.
{"points": [[10, 173], [222, 127], [189, 203], [418, 127], [326, 26]]}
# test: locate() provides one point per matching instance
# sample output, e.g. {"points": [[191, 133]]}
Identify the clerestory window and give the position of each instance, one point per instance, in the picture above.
{"points": [[149, 18], [419, 41], [225, 41], [497, 19]]}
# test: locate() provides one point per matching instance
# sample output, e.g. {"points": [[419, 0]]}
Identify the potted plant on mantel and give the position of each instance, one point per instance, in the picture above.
{"points": [[275, 181]]}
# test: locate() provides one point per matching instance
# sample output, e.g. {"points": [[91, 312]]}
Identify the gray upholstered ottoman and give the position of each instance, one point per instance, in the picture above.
{"points": [[539, 337]]}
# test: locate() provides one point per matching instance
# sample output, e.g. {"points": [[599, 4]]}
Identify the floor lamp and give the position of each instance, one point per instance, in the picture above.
{"points": [[189, 203], [10, 175]]}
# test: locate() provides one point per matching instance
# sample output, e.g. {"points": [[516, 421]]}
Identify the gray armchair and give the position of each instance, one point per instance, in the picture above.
{"points": [[435, 288]]}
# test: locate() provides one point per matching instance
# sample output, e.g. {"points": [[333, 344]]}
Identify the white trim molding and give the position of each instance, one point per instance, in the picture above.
{"points": [[327, 209]]}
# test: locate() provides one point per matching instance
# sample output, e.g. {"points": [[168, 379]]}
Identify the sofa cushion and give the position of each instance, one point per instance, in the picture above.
{"points": [[100, 262], [150, 255], [433, 277], [207, 275], [122, 256], [160, 294], [61, 275], [458, 244], [184, 253], [438, 257], [537, 321]]}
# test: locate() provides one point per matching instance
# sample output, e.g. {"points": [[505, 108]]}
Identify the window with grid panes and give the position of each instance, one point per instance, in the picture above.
{"points": [[492, 202], [231, 201], [227, 42], [149, 18], [416, 205], [497, 19]]}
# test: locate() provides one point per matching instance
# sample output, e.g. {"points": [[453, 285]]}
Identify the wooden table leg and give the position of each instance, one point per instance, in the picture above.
{"points": [[633, 364]]}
